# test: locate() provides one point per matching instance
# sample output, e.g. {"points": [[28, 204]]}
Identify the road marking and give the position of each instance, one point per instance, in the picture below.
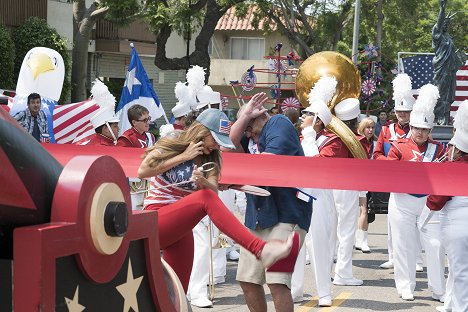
{"points": [[337, 301]]}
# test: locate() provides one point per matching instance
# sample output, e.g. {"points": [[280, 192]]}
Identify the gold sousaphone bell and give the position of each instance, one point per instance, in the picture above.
{"points": [[332, 64]]}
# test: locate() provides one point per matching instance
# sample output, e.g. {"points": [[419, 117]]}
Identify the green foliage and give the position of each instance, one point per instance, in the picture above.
{"points": [[407, 27], [7, 58], [122, 12], [35, 32], [175, 13]]}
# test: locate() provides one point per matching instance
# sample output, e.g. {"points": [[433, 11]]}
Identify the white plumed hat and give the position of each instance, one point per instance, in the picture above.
{"points": [[319, 96], [104, 115], [184, 95], [422, 115], [460, 138], [348, 109], [206, 96], [195, 79], [402, 95]]}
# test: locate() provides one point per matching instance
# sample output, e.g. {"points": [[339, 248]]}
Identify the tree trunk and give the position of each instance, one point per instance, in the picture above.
{"points": [[79, 67], [340, 23], [84, 20], [200, 55]]}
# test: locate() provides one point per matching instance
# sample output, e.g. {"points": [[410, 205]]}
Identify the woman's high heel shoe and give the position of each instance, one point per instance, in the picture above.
{"points": [[278, 256]]}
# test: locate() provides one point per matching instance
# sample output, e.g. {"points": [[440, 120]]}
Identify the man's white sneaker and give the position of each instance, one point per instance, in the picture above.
{"points": [[443, 309], [419, 268], [202, 303], [407, 296], [346, 281], [325, 301], [386, 265]]}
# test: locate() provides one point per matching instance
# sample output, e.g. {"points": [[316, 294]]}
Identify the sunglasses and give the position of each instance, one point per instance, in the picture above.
{"points": [[145, 120]]}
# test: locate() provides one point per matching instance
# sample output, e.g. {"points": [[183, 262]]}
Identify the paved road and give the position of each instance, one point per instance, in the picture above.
{"points": [[377, 294]]}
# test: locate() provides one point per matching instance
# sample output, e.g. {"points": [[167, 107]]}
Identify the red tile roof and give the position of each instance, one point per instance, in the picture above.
{"points": [[229, 21]]}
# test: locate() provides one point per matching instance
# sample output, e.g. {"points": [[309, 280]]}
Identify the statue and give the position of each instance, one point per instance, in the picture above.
{"points": [[447, 61]]}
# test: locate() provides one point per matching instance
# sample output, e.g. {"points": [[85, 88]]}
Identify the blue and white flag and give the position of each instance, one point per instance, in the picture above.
{"points": [[138, 90]]}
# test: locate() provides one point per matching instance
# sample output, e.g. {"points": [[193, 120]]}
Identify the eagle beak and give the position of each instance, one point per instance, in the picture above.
{"points": [[40, 63]]}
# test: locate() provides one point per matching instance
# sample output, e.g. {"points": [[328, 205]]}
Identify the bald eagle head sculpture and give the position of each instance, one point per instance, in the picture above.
{"points": [[42, 72]]}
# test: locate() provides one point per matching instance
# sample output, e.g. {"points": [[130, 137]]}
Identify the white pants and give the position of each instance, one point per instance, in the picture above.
{"points": [[455, 237], [201, 261], [435, 254], [403, 213], [347, 211], [389, 241], [321, 258]]}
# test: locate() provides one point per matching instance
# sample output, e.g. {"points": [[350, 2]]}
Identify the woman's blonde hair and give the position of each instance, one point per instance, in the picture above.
{"points": [[366, 122], [169, 147]]}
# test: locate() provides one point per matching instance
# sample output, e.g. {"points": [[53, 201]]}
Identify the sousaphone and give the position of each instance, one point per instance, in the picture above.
{"points": [[333, 64]]}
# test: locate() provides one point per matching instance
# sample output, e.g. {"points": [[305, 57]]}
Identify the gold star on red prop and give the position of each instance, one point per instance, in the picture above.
{"points": [[129, 290], [72, 304]]}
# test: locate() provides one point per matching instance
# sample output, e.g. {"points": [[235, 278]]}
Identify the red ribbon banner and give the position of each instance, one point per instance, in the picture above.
{"points": [[330, 173]]}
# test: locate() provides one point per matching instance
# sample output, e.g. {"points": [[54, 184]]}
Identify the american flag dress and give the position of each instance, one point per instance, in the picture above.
{"points": [[158, 198]]}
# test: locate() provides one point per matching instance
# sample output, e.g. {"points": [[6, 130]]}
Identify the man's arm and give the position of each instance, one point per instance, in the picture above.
{"points": [[249, 111]]}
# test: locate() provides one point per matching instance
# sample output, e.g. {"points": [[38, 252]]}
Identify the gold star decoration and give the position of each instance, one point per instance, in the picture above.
{"points": [[73, 305], [129, 290]]}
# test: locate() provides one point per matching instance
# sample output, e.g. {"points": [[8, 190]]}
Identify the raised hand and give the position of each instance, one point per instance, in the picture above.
{"points": [[254, 107], [193, 150]]}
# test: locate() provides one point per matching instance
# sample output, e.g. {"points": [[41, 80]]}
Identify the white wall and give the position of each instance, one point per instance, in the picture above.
{"points": [[60, 17]]}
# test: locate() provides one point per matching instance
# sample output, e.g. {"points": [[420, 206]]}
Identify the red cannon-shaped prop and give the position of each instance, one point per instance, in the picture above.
{"points": [[69, 240]]}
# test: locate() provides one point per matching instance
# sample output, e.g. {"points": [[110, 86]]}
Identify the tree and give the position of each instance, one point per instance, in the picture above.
{"points": [[7, 58], [163, 16], [307, 24], [35, 32], [84, 19]]}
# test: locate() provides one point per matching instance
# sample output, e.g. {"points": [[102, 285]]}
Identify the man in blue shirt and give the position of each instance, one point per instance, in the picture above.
{"points": [[273, 217], [33, 119]]}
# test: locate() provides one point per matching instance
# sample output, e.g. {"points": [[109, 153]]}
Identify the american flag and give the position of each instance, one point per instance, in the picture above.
{"points": [[421, 70], [71, 122], [225, 126]]}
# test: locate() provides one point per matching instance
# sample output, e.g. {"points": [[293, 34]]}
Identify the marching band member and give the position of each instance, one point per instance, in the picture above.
{"points": [[347, 207], [106, 126], [181, 207], [454, 216], [404, 102], [138, 135], [366, 130], [320, 142], [405, 209]]}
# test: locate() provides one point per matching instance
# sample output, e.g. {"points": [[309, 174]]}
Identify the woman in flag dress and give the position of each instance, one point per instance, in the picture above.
{"points": [[180, 207]]}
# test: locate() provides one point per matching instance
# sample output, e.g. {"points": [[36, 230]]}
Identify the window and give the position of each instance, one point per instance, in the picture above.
{"points": [[247, 48]]}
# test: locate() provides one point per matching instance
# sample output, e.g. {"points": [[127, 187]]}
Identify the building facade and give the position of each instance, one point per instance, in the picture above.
{"points": [[235, 47]]}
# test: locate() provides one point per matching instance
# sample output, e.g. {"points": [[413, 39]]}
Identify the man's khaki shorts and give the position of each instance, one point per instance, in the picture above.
{"points": [[251, 270]]}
